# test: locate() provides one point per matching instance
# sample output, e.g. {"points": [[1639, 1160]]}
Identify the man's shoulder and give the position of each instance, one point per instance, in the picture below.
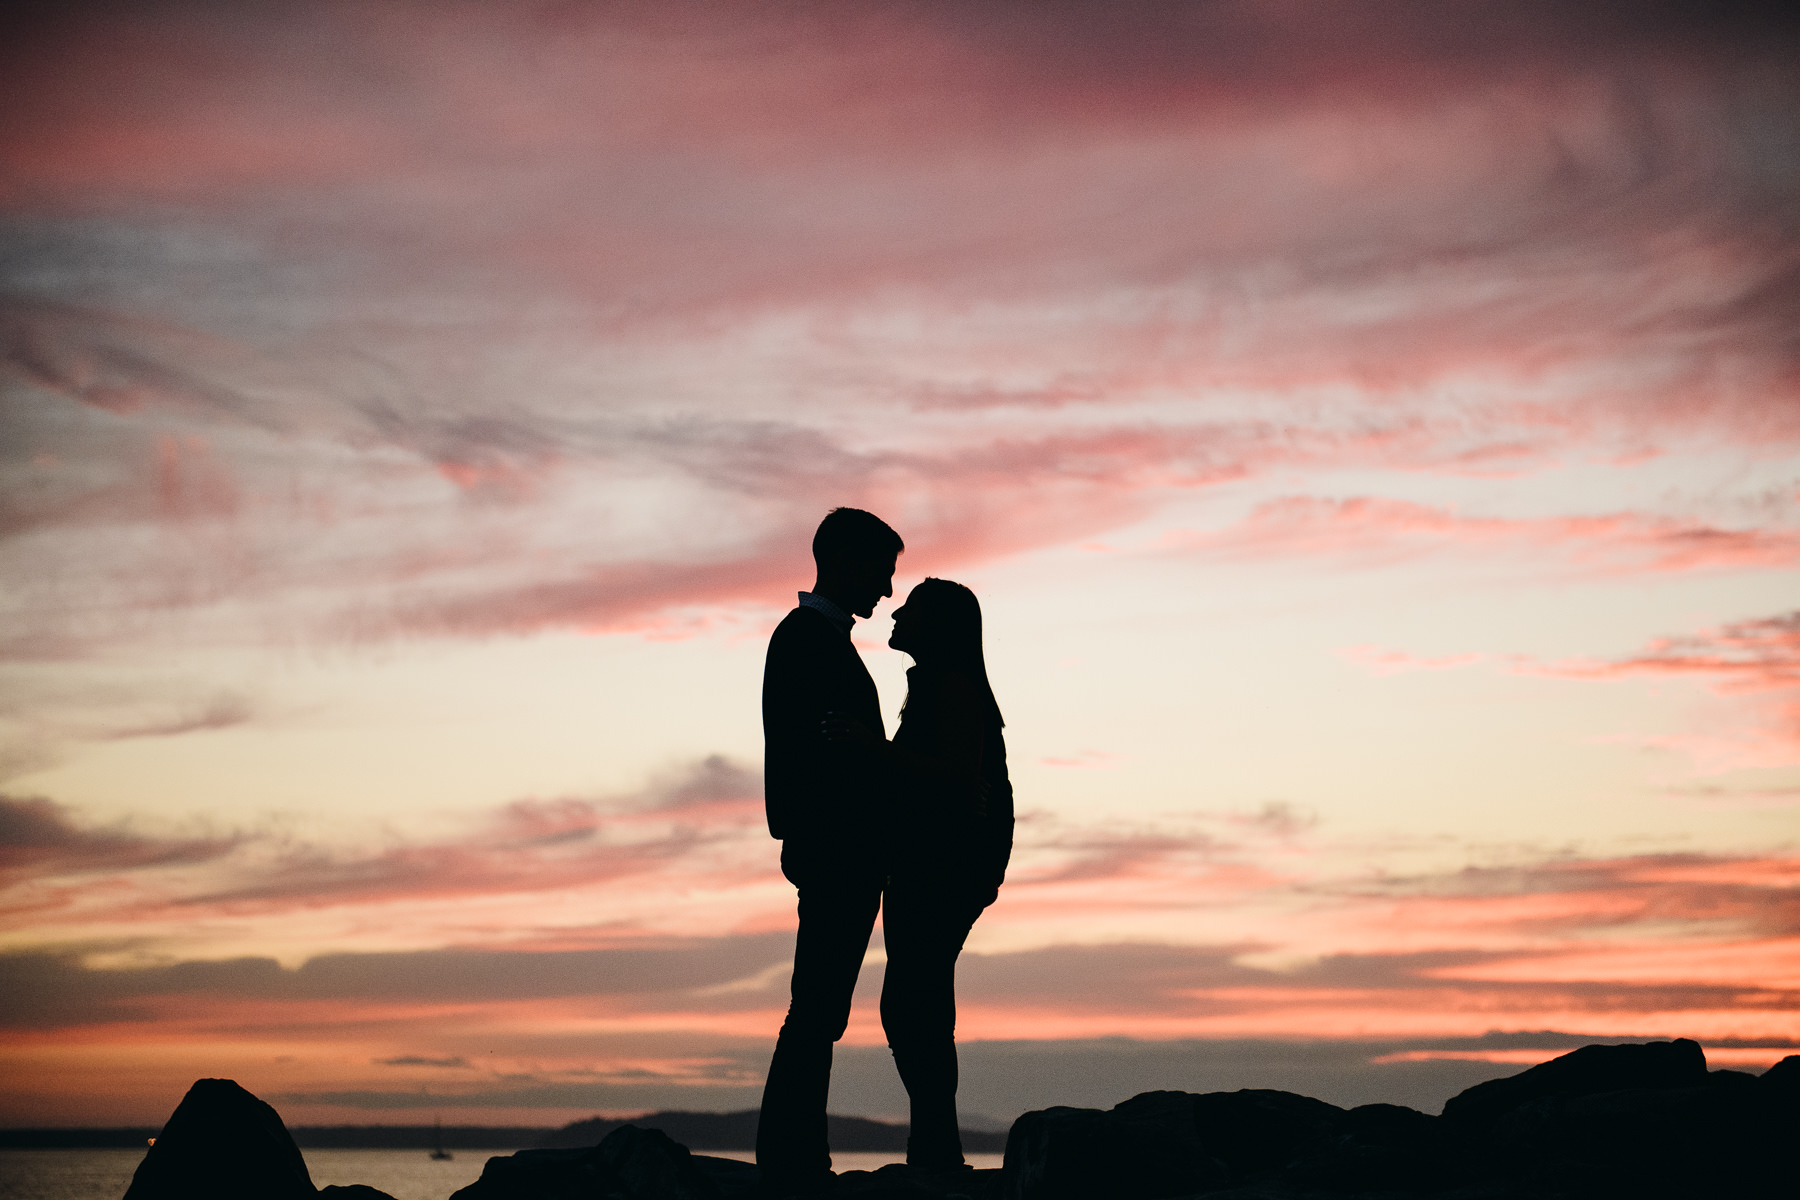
{"points": [[803, 621], [805, 629]]}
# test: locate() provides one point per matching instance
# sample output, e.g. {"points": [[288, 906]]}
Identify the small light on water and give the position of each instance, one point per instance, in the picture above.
{"points": [[150, 1141]]}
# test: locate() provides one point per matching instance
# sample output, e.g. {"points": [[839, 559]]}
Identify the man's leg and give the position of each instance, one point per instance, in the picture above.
{"points": [[838, 903], [925, 922]]}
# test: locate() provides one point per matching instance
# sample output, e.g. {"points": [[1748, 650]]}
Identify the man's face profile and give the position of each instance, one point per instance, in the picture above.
{"points": [[869, 580]]}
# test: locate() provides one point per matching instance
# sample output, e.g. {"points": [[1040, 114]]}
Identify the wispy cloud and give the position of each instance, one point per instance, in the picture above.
{"points": [[39, 838], [693, 825], [387, 411], [1758, 656], [1376, 530]]}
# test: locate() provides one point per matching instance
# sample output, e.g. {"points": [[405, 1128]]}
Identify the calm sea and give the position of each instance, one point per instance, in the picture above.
{"points": [[403, 1174]]}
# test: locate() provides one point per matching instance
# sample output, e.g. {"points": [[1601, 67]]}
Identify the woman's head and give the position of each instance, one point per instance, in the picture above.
{"points": [[940, 626]]}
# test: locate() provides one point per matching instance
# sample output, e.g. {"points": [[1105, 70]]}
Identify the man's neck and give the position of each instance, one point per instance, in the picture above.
{"points": [[829, 609], [836, 595]]}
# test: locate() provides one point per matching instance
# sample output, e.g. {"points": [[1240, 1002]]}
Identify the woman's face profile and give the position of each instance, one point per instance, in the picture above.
{"points": [[908, 636]]}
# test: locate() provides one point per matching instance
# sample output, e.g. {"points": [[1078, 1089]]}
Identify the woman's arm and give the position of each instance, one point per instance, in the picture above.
{"points": [[953, 763]]}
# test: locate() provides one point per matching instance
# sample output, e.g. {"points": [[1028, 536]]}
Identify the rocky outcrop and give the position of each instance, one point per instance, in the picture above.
{"points": [[1643, 1120], [1584, 1072], [222, 1142], [1633, 1120]]}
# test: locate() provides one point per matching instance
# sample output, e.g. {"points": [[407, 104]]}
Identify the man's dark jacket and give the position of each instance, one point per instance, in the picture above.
{"points": [[814, 790]]}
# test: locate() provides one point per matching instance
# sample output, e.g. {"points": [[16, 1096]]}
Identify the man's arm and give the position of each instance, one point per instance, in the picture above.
{"points": [[797, 692]]}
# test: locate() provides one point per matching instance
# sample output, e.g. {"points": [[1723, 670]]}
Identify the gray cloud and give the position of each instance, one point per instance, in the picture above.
{"points": [[56, 990], [420, 1060], [52, 990], [39, 837]]}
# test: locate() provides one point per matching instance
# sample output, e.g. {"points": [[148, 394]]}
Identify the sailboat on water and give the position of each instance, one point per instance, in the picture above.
{"points": [[438, 1152]]}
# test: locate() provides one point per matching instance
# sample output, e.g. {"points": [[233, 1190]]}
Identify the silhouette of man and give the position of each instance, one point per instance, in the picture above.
{"points": [[823, 801]]}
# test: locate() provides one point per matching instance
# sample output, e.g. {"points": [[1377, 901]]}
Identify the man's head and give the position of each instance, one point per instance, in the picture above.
{"points": [[855, 553]]}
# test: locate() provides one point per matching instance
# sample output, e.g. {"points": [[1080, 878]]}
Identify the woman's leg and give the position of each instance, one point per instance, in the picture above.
{"points": [[925, 923]]}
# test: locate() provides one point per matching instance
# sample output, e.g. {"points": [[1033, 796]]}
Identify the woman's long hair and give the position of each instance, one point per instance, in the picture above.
{"points": [[951, 620]]}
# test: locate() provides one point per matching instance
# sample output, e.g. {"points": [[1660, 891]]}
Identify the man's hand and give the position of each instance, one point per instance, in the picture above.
{"points": [[848, 731]]}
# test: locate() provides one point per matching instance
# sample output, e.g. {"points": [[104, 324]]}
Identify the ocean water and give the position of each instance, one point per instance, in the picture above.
{"points": [[403, 1174]]}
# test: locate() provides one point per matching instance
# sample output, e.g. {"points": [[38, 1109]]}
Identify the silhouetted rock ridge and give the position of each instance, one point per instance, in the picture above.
{"points": [[1604, 1121], [1630, 1120]]}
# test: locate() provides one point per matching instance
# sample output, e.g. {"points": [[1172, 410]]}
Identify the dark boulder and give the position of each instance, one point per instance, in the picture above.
{"points": [[1651, 1121], [222, 1142], [897, 1181], [1725, 1078], [1379, 1147], [1783, 1079], [1256, 1131], [628, 1164], [1160, 1144], [1584, 1072], [1145, 1148]]}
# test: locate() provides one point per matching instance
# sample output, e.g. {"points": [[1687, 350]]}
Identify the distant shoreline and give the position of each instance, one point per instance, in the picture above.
{"points": [[320, 1137], [696, 1130]]}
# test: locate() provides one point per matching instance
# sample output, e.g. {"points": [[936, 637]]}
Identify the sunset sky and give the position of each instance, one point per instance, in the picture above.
{"points": [[1373, 431]]}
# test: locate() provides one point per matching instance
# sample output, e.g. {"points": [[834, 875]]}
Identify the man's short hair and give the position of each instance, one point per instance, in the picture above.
{"points": [[852, 535]]}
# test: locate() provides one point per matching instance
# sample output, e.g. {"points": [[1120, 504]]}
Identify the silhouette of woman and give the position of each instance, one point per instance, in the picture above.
{"points": [[950, 826]]}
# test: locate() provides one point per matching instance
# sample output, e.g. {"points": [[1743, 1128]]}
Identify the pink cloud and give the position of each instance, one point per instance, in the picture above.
{"points": [[950, 215], [673, 831], [1377, 530], [1759, 657]]}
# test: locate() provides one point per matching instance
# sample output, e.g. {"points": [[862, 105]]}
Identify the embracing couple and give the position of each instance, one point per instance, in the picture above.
{"points": [[917, 827]]}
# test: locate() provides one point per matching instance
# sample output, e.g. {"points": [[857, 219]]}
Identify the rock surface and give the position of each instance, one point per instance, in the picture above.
{"points": [[1583, 1072], [1631, 1120], [222, 1142], [1646, 1120], [628, 1164]]}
